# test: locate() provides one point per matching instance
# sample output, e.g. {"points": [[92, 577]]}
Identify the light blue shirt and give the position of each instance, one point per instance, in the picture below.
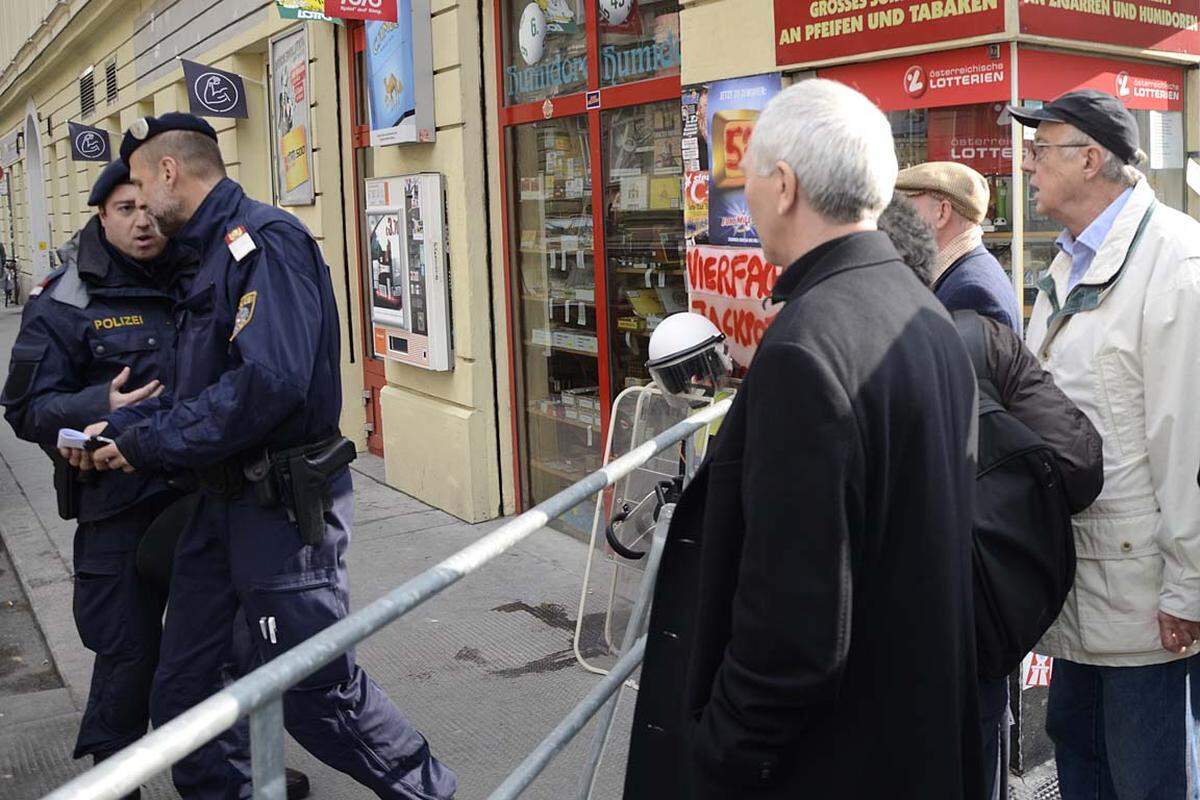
{"points": [[1083, 249]]}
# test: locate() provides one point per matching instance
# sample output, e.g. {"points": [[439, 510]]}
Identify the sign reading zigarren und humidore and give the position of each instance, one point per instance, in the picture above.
{"points": [[821, 29], [1170, 25]]}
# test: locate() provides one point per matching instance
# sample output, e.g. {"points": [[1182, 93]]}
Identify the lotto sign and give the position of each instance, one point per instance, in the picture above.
{"points": [[1143, 87], [814, 30], [933, 80], [377, 10], [1036, 670]]}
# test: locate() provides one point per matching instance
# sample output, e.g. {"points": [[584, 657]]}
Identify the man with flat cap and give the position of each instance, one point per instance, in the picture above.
{"points": [[254, 413], [1117, 324], [97, 327], [952, 198]]}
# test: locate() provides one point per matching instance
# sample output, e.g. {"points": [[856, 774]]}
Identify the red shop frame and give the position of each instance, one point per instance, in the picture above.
{"points": [[630, 94]]}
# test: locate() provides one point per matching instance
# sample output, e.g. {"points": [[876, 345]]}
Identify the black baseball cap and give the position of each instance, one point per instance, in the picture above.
{"points": [[112, 176], [1098, 114], [144, 129]]}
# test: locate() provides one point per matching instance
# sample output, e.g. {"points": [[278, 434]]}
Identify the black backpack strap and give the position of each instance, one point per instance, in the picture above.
{"points": [[970, 330]]}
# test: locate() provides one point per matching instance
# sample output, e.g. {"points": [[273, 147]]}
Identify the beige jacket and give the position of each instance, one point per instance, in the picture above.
{"points": [[1125, 347]]}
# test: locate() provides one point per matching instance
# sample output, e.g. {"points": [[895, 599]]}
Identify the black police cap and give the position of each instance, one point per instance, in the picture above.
{"points": [[1098, 114], [144, 129], [112, 176]]}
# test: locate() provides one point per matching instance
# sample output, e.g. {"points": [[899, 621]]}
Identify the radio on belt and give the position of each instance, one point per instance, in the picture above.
{"points": [[410, 274]]}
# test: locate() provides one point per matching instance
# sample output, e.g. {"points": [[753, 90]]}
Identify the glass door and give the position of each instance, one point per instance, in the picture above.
{"points": [[643, 230], [555, 288]]}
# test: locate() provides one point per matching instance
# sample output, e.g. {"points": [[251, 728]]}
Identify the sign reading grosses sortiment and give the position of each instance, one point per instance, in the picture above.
{"points": [[823, 29]]}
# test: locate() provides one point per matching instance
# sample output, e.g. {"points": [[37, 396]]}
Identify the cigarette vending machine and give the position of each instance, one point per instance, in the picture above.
{"points": [[409, 270]]}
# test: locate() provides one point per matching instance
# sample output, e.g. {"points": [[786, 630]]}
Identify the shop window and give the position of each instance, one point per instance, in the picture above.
{"points": [[638, 40], [643, 230], [971, 135], [555, 296], [545, 49]]}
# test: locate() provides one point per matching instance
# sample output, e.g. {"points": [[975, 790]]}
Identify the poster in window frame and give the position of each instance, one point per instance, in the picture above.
{"points": [[291, 119]]}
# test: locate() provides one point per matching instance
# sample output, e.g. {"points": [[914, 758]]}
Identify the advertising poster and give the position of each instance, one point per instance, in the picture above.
{"points": [[290, 119], [387, 270], [694, 149], [731, 109], [1145, 24], [399, 74], [728, 285], [304, 9], [814, 31]]}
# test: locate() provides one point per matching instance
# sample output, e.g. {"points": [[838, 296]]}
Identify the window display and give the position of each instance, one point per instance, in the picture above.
{"points": [[553, 269], [643, 230], [639, 39], [545, 49]]}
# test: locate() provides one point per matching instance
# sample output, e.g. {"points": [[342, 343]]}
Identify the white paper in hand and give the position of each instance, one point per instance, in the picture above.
{"points": [[71, 439]]}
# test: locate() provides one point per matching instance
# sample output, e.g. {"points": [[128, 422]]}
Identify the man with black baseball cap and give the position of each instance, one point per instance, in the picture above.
{"points": [[1116, 323]]}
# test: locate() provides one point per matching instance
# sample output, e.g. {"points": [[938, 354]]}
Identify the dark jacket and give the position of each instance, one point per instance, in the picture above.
{"points": [[1029, 393], [976, 282], [811, 634], [99, 313]]}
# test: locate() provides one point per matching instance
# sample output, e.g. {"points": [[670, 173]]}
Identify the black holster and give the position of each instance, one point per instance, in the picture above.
{"points": [[298, 479], [67, 487]]}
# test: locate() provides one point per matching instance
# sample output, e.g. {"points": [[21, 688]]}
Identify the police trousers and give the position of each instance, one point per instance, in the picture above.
{"points": [[236, 552], [119, 618]]}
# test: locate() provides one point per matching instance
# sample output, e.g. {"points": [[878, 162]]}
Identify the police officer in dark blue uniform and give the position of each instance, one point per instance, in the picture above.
{"points": [[102, 322], [255, 413]]}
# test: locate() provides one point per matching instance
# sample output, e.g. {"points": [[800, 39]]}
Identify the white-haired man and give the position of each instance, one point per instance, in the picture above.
{"points": [[811, 633], [1117, 322]]}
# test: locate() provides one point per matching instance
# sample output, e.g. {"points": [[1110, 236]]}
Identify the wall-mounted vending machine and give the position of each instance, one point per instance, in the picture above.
{"points": [[410, 275]]}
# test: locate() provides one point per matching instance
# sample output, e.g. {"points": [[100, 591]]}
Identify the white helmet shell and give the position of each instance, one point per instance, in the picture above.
{"points": [[531, 34], [680, 334]]}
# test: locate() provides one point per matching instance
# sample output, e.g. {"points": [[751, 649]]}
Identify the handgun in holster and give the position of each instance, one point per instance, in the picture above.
{"points": [[298, 478], [67, 485]]}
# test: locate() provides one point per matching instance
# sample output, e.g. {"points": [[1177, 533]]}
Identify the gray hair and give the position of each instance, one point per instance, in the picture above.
{"points": [[838, 144], [195, 153], [1113, 169]]}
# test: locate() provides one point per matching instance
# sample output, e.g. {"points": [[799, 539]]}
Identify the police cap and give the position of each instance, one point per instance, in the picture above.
{"points": [[144, 129], [112, 176]]}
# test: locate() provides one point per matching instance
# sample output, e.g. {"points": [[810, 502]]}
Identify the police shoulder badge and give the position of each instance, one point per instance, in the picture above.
{"points": [[239, 242], [245, 313]]}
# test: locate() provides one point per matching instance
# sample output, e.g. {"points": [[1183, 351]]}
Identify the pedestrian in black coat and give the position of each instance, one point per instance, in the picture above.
{"points": [[811, 634]]}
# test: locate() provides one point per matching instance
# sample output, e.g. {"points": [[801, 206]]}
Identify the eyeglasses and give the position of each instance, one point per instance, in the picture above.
{"points": [[1037, 150]]}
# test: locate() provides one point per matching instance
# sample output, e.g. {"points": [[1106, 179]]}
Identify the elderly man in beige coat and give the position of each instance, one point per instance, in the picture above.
{"points": [[1117, 323]]}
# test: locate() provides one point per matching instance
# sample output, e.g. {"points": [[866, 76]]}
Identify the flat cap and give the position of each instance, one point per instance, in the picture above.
{"points": [[1098, 114], [112, 176], [144, 129], [965, 188]]}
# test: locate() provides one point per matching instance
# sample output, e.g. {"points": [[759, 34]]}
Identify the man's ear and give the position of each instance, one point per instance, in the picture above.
{"points": [[169, 168], [1093, 161], [786, 186]]}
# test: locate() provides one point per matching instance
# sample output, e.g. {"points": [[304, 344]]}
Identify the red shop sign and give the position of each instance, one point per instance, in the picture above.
{"points": [[1144, 87], [1162, 25], [813, 30], [932, 80], [375, 10], [970, 135]]}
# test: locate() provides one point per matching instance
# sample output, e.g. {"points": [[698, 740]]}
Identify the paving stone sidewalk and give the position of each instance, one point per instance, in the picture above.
{"points": [[484, 670]]}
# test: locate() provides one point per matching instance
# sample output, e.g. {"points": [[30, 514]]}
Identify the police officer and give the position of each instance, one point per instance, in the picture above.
{"points": [[99, 324], [255, 412]]}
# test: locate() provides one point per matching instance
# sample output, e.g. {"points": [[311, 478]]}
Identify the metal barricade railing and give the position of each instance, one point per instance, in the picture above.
{"points": [[260, 694]]}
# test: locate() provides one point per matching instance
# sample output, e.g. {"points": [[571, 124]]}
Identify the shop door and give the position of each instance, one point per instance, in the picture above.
{"points": [[591, 163], [374, 378]]}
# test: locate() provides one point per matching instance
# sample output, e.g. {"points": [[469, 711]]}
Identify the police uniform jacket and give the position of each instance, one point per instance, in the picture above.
{"points": [[97, 314], [257, 357], [812, 627]]}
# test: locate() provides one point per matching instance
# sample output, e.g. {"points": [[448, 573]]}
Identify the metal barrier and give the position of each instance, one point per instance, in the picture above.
{"points": [[260, 694]]}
